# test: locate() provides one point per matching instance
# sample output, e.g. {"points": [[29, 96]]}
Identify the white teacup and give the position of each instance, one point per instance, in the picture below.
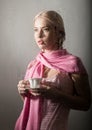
{"points": [[35, 83]]}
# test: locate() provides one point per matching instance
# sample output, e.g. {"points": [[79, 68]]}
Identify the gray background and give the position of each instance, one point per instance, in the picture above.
{"points": [[17, 48]]}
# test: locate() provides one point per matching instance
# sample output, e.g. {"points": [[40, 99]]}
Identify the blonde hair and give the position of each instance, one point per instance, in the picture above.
{"points": [[56, 21]]}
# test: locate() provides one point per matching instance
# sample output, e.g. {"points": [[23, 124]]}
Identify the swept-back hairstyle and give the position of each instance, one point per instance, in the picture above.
{"points": [[56, 21]]}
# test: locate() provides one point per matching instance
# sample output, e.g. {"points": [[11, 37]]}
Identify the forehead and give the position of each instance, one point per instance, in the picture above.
{"points": [[40, 21]]}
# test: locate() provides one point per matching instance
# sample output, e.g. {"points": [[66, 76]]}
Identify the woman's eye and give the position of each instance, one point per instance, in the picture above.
{"points": [[35, 29], [46, 29]]}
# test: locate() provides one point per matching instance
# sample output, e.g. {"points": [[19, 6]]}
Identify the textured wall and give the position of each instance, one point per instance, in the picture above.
{"points": [[17, 48]]}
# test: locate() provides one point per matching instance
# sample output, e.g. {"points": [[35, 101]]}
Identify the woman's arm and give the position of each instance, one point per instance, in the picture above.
{"points": [[81, 100], [24, 85]]}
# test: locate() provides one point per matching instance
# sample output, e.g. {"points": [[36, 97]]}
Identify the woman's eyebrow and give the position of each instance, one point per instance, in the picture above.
{"points": [[45, 26]]}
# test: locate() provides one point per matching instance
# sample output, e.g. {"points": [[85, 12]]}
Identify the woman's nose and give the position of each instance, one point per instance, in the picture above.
{"points": [[40, 34]]}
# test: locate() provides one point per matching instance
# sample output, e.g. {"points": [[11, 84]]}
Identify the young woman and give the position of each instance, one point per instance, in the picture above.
{"points": [[65, 85]]}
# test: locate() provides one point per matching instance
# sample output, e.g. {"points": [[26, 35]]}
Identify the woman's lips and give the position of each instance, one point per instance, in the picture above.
{"points": [[40, 42]]}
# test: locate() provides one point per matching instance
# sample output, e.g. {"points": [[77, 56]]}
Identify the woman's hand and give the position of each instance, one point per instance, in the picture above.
{"points": [[23, 87], [47, 90]]}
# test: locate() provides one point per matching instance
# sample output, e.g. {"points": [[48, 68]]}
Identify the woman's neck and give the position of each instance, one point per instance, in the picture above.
{"points": [[50, 50]]}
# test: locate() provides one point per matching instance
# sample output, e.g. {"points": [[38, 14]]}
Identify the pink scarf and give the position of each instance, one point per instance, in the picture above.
{"points": [[30, 117]]}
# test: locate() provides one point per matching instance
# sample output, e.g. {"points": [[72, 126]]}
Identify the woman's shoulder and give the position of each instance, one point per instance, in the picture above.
{"points": [[77, 64]]}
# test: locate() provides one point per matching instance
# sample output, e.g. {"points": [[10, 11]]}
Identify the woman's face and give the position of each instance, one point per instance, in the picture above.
{"points": [[45, 35]]}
